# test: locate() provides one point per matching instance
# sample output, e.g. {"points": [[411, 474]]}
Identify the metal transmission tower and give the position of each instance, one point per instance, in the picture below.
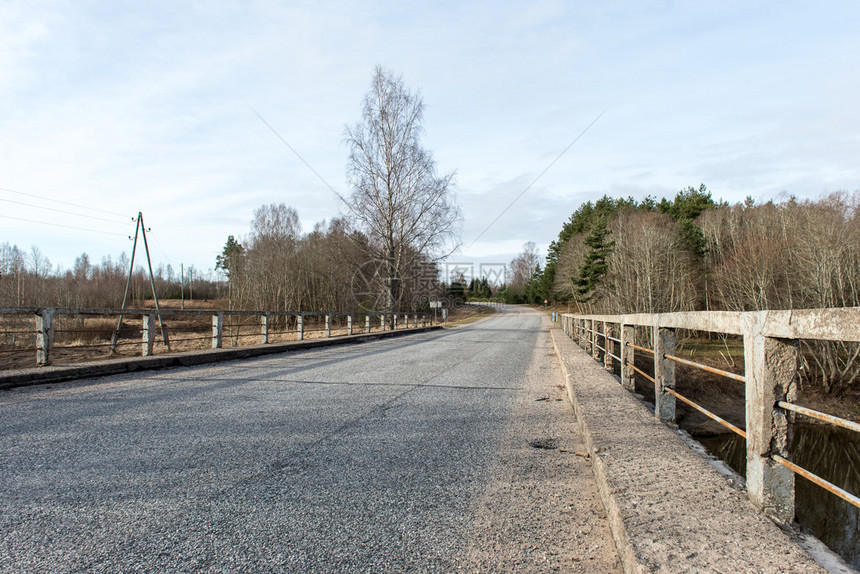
{"points": [[139, 229]]}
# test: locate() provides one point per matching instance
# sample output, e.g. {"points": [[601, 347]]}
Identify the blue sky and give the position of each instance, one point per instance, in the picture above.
{"points": [[149, 106]]}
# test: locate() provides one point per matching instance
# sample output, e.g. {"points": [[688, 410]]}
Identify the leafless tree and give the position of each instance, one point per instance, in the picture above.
{"points": [[523, 267], [405, 209]]}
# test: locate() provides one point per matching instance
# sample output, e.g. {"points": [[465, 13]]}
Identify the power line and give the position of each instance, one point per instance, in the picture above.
{"points": [[160, 248], [115, 222], [61, 225], [123, 215], [298, 155], [534, 181]]}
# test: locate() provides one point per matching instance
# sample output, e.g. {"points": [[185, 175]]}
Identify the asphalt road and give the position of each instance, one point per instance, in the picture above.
{"points": [[424, 453]]}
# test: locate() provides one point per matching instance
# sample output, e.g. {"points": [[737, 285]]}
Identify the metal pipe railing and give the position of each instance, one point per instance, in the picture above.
{"points": [[770, 358], [700, 366], [235, 325]]}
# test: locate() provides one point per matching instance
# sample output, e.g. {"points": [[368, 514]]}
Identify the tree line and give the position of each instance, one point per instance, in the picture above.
{"points": [[694, 253], [28, 279], [332, 268], [401, 217]]}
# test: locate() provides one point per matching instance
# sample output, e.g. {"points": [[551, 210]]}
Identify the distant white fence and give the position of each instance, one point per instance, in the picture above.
{"points": [[45, 332]]}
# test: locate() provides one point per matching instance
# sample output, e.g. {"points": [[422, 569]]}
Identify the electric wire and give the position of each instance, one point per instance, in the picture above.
{"points": [[114, 221], [65, 226], [540, 175], [123, 215]]}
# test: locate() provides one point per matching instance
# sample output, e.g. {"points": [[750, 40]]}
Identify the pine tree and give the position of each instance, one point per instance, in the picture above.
{"points": [[594, 267]]}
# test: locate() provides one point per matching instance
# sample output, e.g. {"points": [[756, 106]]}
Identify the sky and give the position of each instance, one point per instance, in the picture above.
{"points": [[114, 108]]}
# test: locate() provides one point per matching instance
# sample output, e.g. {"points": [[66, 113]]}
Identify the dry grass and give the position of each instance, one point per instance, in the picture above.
{"points": [[81, 338]]}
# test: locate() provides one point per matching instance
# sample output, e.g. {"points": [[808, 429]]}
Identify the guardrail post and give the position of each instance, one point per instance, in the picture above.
{"points": [[148, 331], [44, 336], [264, 328], [628, 336], [394, 322], [300, 326], [664, 374], [415, 318], [382, 322], [424, 319], [771, 371], [349, 324], [328, 325], [217, 329], [610, 347], [367, 323]]}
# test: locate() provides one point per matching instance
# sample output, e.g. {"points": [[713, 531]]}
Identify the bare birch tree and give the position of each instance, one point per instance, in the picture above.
{"points": [[407, 211]]}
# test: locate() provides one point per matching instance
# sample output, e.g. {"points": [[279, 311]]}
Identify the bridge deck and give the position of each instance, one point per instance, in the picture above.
{"points": [[442, 451], [670, 511]]}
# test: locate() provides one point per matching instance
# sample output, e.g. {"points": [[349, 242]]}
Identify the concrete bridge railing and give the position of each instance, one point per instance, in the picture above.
{"points": [[770, 342], [36, 330]]}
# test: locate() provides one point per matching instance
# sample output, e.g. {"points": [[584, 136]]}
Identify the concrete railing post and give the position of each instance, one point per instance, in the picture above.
{"points": [[367, 323], [770, 371], [217, 329], [664, 374], [148, 335], [328, 325], [582, 333], [44, 336], [628, 355], [264, 328], [349, 324], [300, 327], [609, 346]]}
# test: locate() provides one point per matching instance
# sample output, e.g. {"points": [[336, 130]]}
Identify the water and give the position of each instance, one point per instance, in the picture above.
{"points": [[833, 454]]}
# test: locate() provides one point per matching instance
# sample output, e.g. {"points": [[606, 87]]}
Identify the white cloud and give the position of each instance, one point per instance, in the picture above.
{"points": [[148, 107]]}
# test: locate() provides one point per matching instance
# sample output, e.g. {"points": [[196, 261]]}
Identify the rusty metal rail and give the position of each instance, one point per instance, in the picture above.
{"points": [[828, 486], [832, 419], [706, 412], [638, 348], [727, 374], [641, 372], [770, 351]]}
